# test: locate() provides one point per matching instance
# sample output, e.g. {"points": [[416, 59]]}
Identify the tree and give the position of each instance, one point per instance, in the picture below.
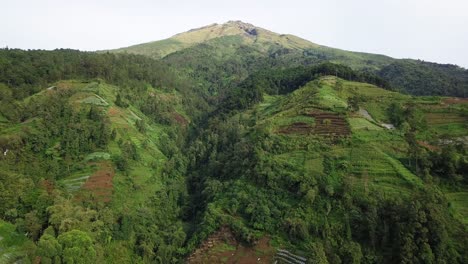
{"points": [[49, 249], [353, 103], [396, 114], [78, 247], [119, 101], [141, 126], [317, 253]]}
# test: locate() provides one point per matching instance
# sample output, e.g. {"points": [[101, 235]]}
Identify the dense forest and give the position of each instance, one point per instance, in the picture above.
{"points": [[119, 158], [426, 78]]}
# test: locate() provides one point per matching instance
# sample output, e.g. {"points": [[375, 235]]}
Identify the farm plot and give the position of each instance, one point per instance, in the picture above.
{"points": [[326, 124], [450, 124], [75, 183], [459, 204], [330, 124], [100, 182], [372, 167], [444, 118]]}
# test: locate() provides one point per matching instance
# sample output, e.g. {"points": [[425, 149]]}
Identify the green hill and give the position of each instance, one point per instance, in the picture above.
{"points": [[230, 149], [239, 47], [310, 173], [247, 34]]}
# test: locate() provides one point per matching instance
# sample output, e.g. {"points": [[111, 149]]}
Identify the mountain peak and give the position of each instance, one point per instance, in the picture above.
{"points": [[230, 28], [246, 33], [238, 23]]}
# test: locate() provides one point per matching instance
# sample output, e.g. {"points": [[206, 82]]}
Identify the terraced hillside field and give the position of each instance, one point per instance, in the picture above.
{"points": [[325, 124]]}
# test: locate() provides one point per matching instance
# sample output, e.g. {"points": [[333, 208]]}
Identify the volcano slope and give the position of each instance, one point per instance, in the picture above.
{"points": [[219, 54], [307, 172], [118, 158]]}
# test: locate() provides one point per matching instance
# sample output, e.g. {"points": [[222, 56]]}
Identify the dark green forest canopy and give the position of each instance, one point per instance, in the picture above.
{"points": [[219, 62], [27, 72], [119, 158], [426, 78]]}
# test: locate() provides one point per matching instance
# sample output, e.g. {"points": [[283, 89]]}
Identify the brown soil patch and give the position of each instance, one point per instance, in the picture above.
{"points": [[297, 128], [114, 111], [100, 183], [455, 100], [326, 124], [222, 247], [428, 146]]}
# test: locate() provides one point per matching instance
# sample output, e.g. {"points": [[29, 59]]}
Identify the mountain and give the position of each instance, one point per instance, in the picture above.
{"points": [[246, 47], [247, 33], [238, 145]]}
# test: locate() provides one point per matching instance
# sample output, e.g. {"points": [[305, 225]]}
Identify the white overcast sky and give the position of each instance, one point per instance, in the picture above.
{"points": [[421, 29]]}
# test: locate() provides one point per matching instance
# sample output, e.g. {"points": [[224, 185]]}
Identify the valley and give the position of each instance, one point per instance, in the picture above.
{"points": [[231, 144]]}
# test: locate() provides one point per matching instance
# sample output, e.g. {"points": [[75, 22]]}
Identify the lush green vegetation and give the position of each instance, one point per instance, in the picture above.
{"points": [[426, 78], [118, 158], [218, 55], [318, 190]]}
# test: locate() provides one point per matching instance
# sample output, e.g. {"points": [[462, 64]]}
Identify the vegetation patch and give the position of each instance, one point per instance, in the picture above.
{"points": [[459, 203], [95, 100], [96, 156], [362, 124], [13, 246], [223, 247]]}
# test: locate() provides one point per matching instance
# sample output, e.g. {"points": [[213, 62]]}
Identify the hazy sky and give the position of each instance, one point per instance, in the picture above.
{"points": [[421, 29]]}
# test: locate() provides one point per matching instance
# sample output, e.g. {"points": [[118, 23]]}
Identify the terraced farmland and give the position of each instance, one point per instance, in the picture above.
{"points": [[445, 118], [326, 124], [372, 167], [100, 183]]}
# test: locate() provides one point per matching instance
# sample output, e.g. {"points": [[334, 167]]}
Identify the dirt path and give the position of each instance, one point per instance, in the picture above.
{"points": [[363, 112]]}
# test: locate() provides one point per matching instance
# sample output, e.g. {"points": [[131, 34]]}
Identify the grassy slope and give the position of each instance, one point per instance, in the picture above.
{"points": [[12, 244], [159, 49], [143, 178], [410, 76], [129, 189], [383, 172], [264, 41]]}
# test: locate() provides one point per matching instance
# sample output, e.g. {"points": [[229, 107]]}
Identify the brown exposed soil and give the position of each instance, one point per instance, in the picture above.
{"points": [[100, 183], [114, 111], [326, 124], [297, 128], [222, 247], [428, 146], [455, 100]]}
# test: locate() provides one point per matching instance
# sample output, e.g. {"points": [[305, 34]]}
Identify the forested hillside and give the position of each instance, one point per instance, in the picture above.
{"points": [[231, 150], [221, 53]]}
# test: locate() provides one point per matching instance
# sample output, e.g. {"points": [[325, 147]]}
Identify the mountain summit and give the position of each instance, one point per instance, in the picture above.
{"points": [[236, 45], [245, 32]]}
